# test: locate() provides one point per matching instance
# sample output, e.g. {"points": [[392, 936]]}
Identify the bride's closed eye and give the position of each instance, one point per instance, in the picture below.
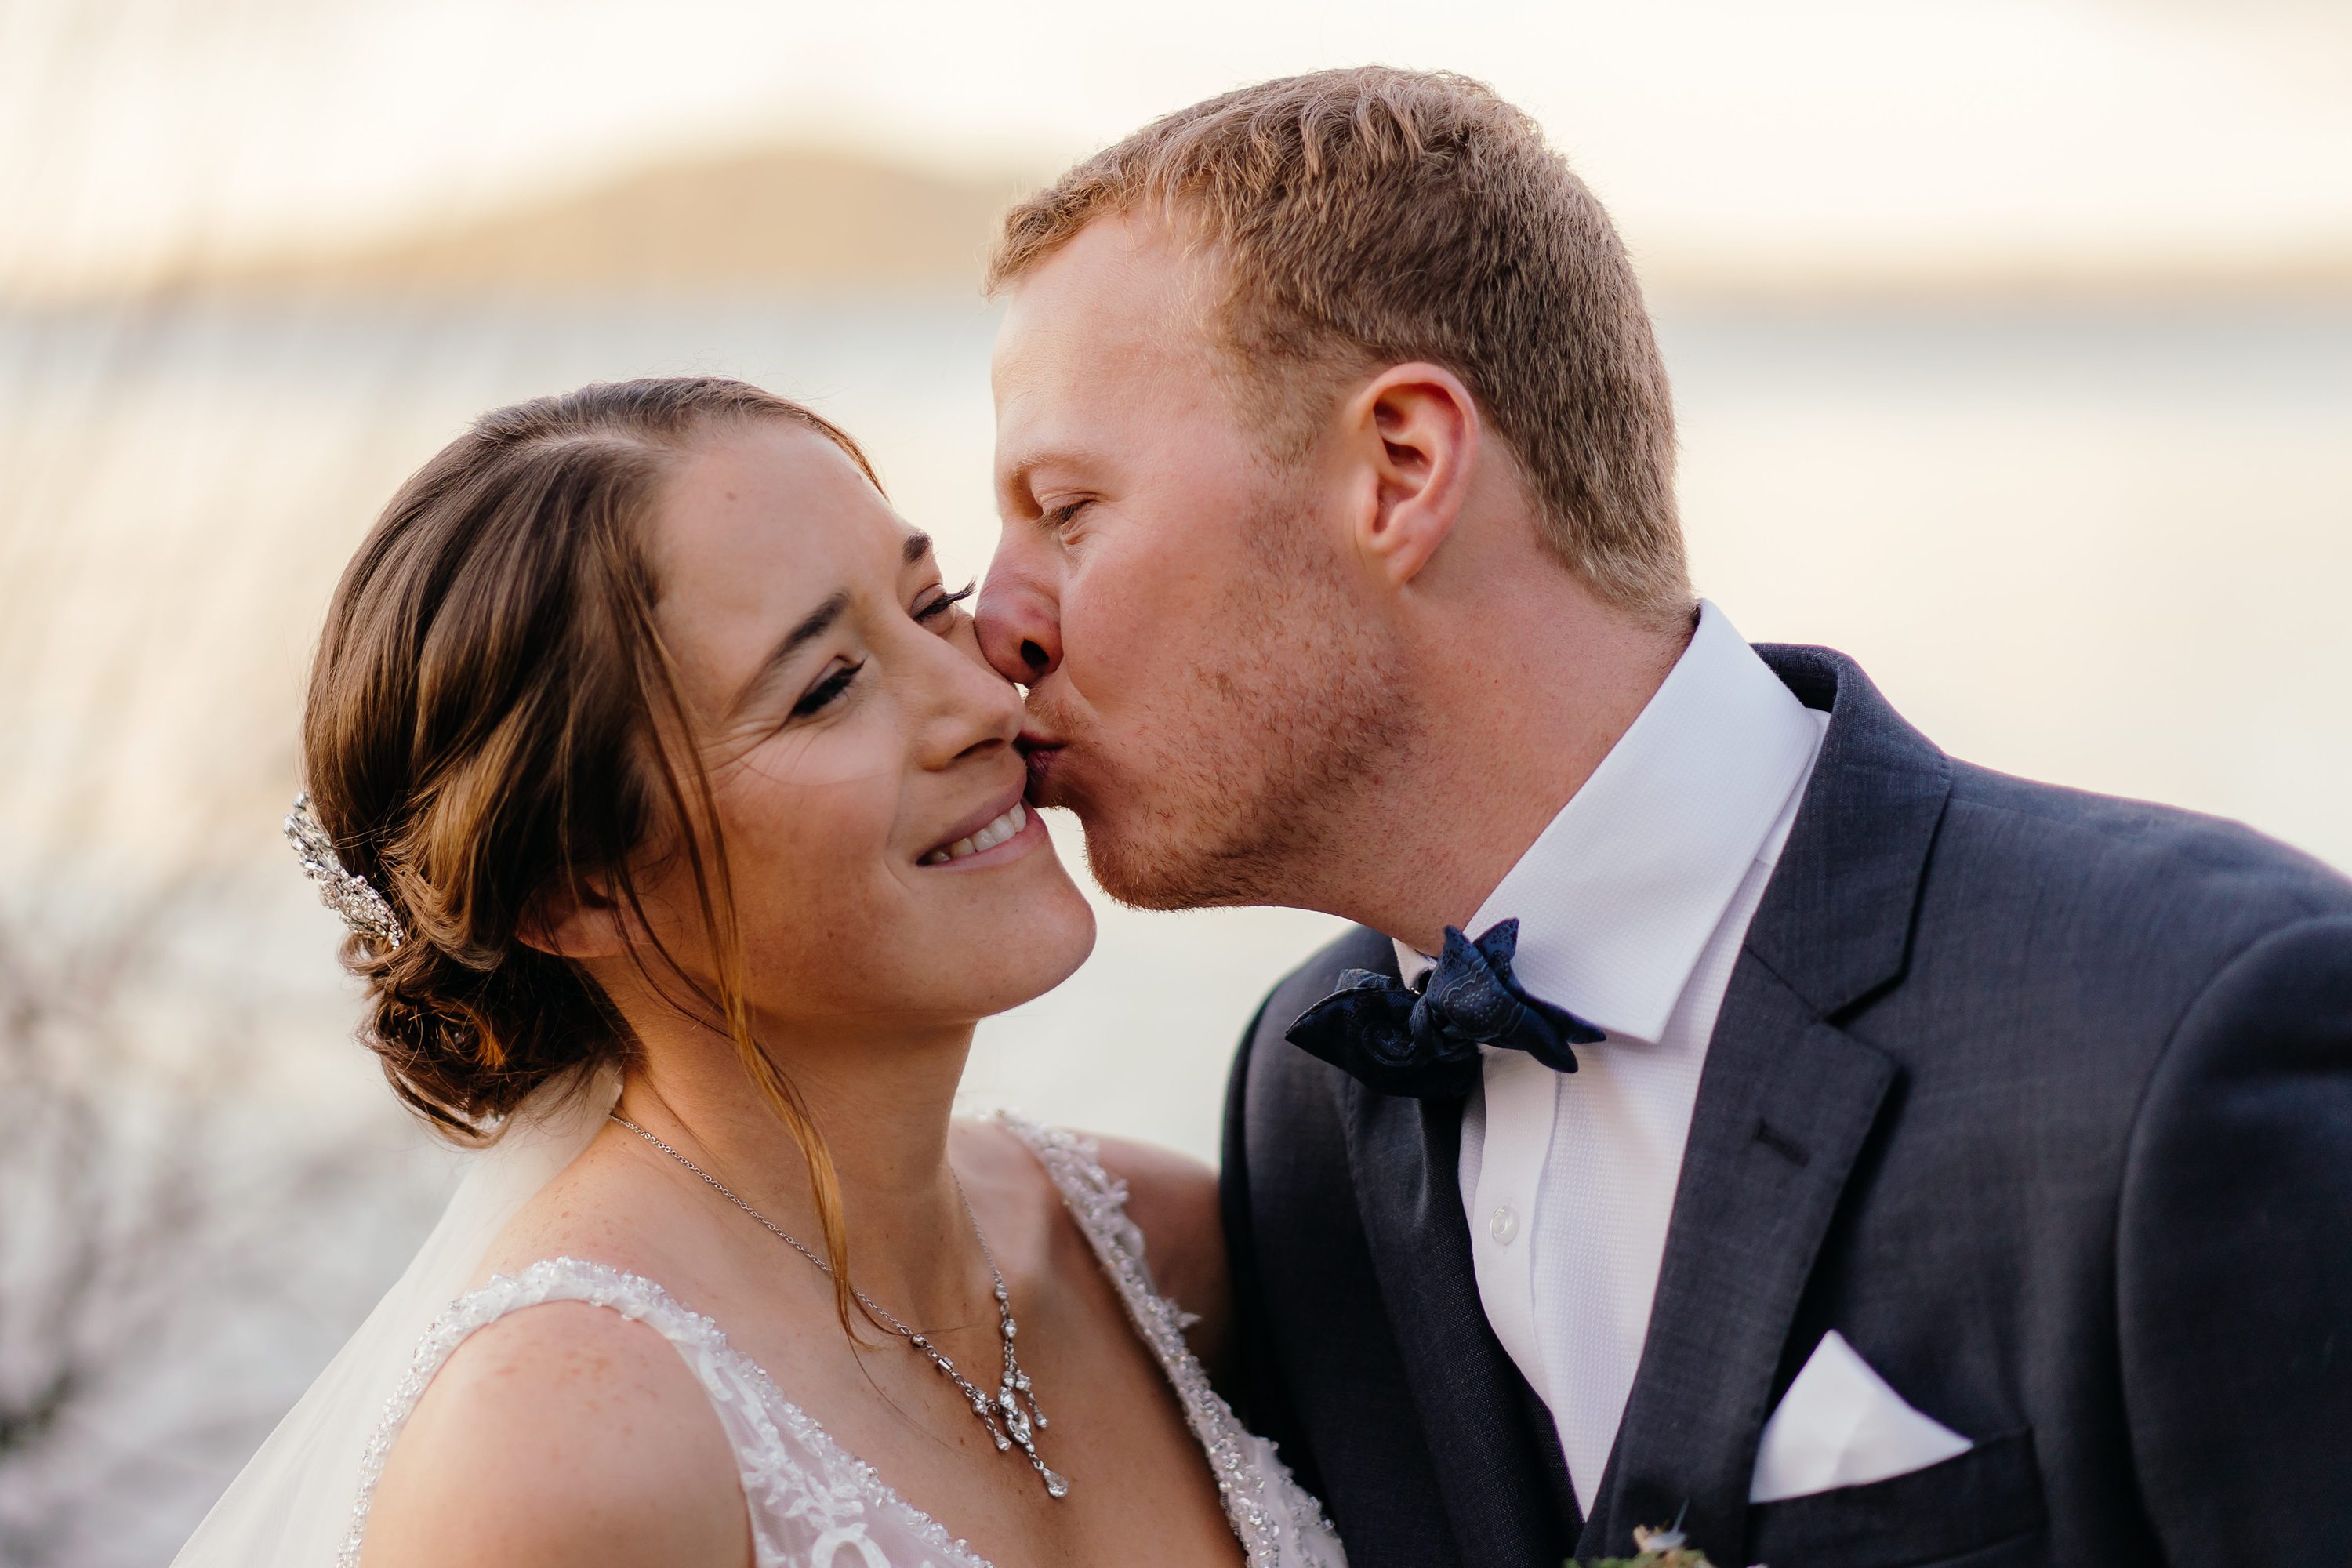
{"points": [[837, 681], [822, 695], [939, 603]]}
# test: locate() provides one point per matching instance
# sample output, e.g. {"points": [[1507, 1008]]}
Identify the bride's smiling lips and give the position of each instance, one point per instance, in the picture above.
{"points": [[993, 834]]}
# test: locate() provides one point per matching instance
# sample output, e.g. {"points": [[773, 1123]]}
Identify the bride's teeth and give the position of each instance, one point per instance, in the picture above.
{"points": [[988, 837]]}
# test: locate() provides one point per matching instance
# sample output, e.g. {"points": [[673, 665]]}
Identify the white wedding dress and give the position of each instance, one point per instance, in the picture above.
{"points": [[815, 1505]]}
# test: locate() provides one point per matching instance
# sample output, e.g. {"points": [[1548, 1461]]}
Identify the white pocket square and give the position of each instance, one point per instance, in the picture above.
{"points": [[1841, 1425]]}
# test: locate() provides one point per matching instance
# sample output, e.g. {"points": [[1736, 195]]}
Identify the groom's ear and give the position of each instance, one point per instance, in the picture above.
{"points": [[1415, 428]]}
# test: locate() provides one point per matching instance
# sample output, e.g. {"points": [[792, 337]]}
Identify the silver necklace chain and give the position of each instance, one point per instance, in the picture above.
{"points": [[1012, 1417]]}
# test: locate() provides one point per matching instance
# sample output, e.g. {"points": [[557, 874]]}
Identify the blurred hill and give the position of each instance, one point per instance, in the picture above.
{"points": [[793, 220], [801, 219]]}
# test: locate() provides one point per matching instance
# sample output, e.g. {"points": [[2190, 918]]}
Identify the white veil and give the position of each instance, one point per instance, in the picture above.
{"points": [[291, 1505]]}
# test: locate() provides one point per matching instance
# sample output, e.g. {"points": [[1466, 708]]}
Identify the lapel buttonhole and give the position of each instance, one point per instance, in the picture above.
{"points": [[1781, 1143]]}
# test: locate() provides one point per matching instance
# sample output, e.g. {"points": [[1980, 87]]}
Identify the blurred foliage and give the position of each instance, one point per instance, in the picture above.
{"points": [[132, 1211]]}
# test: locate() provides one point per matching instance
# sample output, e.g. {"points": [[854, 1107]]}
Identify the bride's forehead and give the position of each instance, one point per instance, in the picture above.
{"points": [[773, 500]]}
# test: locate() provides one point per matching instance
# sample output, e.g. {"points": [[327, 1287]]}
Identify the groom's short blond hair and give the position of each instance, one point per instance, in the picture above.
{"points": [[1371, 217]]}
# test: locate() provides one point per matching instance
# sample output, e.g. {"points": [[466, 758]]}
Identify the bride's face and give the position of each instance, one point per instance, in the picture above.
{"points": [[859, 750]]}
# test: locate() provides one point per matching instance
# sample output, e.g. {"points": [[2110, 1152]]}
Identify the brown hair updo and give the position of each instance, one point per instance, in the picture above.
{"points": [[483, 733]]}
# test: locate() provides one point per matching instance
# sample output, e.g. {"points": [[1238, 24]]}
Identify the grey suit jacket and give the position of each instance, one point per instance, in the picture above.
{"points": [[2043, 1100]]}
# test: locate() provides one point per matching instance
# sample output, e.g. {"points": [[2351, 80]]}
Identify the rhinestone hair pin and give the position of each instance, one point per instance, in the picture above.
{"points": [[363, 908]]}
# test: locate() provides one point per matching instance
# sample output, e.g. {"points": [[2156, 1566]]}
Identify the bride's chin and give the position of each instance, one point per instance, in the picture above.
{"points": [[1041, 947], [1071, 941]]}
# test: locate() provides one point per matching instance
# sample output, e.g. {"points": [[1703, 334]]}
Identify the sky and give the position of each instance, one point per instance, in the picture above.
{"points": [[1923, 137]]}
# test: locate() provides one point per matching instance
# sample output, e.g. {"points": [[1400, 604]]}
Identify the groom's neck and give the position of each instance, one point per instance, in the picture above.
{"points": [[1517, 698]]}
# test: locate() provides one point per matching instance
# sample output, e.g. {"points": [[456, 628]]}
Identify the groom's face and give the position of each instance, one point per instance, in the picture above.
{"points": [[1177, 600]]}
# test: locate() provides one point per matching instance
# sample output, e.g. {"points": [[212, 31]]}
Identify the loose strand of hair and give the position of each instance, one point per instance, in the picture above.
{"points": [[714, 895]]}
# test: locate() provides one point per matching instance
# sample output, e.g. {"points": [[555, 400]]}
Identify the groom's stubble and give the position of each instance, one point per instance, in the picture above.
{"points": [[1293, 720]]}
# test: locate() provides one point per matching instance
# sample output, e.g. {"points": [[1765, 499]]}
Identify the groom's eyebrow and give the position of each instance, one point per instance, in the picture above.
{"points": [[1016, 486]]}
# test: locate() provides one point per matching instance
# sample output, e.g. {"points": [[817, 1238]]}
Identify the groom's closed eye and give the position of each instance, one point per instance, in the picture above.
{"points": [[1065, 521]]}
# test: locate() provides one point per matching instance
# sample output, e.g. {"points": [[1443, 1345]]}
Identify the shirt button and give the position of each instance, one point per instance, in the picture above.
{"points": [[1503, 1226]]}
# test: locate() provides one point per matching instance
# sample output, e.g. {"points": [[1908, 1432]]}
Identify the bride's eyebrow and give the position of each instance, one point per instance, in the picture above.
{"points": [[811, 626]]}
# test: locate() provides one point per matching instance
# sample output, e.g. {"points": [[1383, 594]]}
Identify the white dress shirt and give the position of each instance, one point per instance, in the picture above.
{"points": [[1632, 906]]}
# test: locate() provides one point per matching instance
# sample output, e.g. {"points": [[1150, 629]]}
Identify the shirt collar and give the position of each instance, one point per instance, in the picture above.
{"points": [[1617, 899]]}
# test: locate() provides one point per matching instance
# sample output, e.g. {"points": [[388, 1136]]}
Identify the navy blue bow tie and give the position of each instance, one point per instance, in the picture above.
{"points": [[1423, 1040]]}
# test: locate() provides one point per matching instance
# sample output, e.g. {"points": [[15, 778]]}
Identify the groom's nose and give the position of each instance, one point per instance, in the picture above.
{"points": [[1019, 622]]}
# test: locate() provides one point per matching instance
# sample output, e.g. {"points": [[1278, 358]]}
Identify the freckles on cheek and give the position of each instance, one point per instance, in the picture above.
{"points": [[833, 776], [811, 873], [777, 767], [794, 823]]}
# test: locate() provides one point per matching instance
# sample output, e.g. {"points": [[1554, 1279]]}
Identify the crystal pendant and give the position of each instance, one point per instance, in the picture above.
{"points": [[1055, 1485]]}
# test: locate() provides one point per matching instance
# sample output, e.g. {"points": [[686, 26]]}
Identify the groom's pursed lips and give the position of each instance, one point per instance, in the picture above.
{"points": [[1036, 737], [1039, 751]]}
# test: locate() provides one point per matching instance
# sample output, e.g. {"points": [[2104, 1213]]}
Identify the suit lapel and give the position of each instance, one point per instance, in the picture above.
{"points": [[1785, 1108], [1498, 1467]]}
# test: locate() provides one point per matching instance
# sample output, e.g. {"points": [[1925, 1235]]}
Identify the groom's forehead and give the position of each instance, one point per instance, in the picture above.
{"points": [[1100, 410], [1117, 292], [1103, 347]]}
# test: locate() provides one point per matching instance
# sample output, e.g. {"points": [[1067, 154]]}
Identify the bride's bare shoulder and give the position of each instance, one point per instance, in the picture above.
{"points": [[559, 1433], [602, 1208]]}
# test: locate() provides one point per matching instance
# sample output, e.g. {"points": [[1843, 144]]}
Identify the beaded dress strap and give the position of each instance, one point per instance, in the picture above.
{"points": [[1255, 1489], [780, 1449]]}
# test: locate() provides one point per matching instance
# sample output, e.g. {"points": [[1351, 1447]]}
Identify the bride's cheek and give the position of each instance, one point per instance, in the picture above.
{"points": [[831, 826]]}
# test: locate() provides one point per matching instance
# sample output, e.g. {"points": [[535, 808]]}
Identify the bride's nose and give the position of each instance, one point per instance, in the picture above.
{"points": [[973, 709], [1020, 621]]}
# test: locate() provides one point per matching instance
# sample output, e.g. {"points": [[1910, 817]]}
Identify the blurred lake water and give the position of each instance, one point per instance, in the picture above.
{"points": [[2110, 548]]}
